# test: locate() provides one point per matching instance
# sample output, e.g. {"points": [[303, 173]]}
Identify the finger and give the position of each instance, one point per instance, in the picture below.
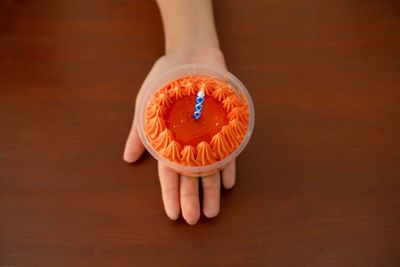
{"points": [[229, 175], [169, 181], [190, 199], [134, 147], [212, 192]]}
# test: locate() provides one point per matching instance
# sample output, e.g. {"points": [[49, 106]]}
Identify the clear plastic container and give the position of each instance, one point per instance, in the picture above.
{"points": [[179, 72]]}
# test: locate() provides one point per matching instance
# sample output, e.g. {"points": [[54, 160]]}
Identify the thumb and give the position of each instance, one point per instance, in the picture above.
{"points": [[134, 147]]}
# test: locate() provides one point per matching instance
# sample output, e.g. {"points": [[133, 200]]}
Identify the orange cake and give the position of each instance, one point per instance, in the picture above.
{"points": [[175, 134]]}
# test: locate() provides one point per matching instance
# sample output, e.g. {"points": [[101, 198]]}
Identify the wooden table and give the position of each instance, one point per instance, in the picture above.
{"points": [[318, 185]]}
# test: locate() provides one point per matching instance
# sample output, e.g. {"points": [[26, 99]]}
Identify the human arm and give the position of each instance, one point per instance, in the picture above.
{"points": [[190, 37]]}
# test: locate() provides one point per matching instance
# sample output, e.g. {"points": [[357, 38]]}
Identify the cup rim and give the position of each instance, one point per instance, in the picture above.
{"points": [[179, 72]]}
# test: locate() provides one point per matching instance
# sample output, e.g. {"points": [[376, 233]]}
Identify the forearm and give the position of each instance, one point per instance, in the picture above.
{"points": [[188, 24]]}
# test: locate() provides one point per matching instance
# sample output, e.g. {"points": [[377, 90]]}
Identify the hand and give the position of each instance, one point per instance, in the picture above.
{"points": [[180, 192]]}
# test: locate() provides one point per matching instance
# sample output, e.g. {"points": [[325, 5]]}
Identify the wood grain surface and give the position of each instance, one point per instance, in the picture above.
{"points": [[318, 185]]}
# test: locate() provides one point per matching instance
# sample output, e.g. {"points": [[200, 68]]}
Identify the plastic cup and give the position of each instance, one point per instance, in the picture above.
{"points": [[172, 75]]}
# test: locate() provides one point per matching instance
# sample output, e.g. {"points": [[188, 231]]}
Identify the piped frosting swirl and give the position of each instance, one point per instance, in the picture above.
{"points": [[154, 126], [220, 146], [208, 85], [172, 151], [205, 155], [189, 86], [238, 127], [164, 99], [188, 154], [163, 139], [155, 110], [239, 113], [230, 136], [230, 102], [175, 92], [221, 93]]}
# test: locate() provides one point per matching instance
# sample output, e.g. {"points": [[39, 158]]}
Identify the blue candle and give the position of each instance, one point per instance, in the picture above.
{"points": [[199, 104]]}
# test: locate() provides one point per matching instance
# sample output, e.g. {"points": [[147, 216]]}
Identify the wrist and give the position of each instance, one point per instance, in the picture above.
{"points": [[193, 44], [188, 25], [198, 54]]}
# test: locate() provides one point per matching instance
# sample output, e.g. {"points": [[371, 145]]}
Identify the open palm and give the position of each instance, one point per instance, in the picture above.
{"points": [[180, 192]]}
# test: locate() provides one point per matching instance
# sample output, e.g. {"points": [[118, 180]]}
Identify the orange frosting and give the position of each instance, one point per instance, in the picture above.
{"points": [[176, 92], [173, 132], [221, 93], [155, 110], [230, 136], [238, 127], [205, 155], [172, 151], [209, 86], [188, 156], [220, 146], [230, 102], [189, 87], [164, 99], [163, 139], [239, 113], [155, 126]]}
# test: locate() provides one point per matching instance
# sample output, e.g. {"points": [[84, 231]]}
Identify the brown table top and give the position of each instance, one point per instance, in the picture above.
{"points": [[318, 185]]}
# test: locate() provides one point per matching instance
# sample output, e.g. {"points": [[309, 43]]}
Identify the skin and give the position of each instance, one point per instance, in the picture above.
{"points": [[190, 37]]}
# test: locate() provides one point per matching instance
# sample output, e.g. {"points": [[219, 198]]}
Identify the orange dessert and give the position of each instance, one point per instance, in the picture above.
{"points": [[176, 135]]}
